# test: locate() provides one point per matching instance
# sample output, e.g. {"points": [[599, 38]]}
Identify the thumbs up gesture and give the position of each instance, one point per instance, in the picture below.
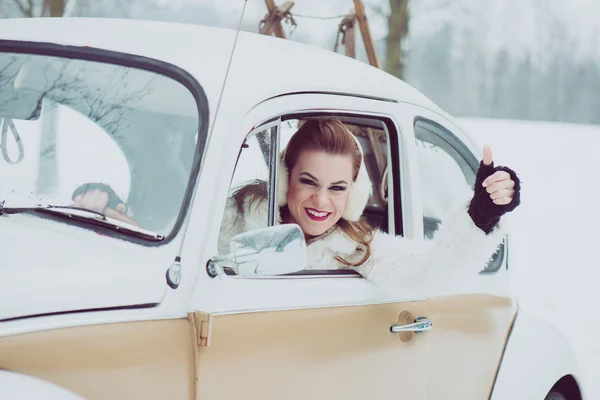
{"points": [[499, 185], [496, 192]]}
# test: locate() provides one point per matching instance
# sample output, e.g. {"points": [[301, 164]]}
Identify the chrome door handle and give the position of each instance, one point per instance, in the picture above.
{"points": [[421, 324]]}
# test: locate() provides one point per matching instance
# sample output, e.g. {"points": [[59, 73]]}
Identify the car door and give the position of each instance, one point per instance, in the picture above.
{"points": [[472, 322], [315, 333]]}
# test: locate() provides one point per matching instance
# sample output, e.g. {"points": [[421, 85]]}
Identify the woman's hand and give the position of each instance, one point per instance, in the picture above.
{"points": [[497, 191], [499, 185], [98, 200]]}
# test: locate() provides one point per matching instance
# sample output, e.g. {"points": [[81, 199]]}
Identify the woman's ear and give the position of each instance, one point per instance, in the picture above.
{"points": [[283, 181]]}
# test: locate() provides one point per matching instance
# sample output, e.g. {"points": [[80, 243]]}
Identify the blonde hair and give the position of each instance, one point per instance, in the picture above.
{"points": [[332, 137]]}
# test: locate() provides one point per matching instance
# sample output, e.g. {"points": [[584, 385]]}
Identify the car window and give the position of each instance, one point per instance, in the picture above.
{"points": [[250, 186], [68, 122], [446, 175], [372, 137], [253, 176]]}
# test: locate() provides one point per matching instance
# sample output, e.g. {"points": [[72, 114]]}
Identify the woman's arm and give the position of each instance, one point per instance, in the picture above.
{"points": [[462, 245], [458, 248]]}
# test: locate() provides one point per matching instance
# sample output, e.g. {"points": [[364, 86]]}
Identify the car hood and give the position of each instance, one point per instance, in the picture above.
{"points": [[48, 267]]}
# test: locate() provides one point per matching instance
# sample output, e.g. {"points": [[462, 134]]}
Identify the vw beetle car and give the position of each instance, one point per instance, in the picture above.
{"points": [[172, 117]]}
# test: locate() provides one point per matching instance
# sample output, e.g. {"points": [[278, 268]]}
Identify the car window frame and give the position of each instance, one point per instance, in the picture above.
{"points": [[459, 148], [169, 70], [395, 219]]}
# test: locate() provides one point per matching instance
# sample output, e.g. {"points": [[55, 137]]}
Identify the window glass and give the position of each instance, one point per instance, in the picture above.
{"points": [[445, 176], [68, 122], [253, 161], [249, 188]]}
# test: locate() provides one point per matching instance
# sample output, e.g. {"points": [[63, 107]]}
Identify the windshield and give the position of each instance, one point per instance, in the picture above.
{"points": [[66, 123]]}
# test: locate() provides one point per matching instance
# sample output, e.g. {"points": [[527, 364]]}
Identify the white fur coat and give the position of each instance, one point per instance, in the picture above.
{"points": [[458, 248]]}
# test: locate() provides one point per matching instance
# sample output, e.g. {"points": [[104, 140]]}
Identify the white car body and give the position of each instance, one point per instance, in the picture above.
{"points": [[79, 301]]}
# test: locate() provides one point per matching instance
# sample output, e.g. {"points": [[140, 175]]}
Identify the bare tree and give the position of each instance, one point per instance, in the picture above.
{"points": [[44, 8], [26, 7], [54, 8], [398, 20]]}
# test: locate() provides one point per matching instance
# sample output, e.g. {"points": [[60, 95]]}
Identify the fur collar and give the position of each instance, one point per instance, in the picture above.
{"points": [[457, 253]]}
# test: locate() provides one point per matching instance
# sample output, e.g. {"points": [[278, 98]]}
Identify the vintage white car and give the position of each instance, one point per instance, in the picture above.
{"points": [[171, 117]]}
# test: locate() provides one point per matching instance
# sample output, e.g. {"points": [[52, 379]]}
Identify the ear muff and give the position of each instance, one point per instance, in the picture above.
{"points": [[358, 197], [360, 191]]}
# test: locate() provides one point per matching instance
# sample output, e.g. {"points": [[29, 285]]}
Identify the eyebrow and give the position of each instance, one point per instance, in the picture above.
{"points": [[314, 178], [309, 175]]}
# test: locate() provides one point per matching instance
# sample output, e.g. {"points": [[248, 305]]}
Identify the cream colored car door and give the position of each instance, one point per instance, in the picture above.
{"points": [[314, 334]]}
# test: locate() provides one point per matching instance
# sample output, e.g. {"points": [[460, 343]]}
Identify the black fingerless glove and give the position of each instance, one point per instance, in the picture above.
{"points": [[483, 211], [113, 198]]}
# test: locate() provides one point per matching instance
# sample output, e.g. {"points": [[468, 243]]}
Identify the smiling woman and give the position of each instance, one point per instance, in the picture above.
{"points": [[323, 183], [324, 187]]}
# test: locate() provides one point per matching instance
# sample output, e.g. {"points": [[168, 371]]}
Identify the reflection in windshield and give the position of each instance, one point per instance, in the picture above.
{"points": [[66, 123]]}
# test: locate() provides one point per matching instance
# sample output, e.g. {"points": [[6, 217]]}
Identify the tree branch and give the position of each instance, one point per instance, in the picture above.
{"points": [[26, 12]]}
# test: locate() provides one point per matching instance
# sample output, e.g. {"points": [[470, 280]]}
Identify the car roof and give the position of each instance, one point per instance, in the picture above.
{"points": [[267, 66], [297, 67]]}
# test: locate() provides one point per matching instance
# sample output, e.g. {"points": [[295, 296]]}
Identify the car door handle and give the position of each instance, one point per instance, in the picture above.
{"points": [[421, 324]]}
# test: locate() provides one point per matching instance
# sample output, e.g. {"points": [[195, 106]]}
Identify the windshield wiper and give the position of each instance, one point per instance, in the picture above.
{"points": [[83, 214]]}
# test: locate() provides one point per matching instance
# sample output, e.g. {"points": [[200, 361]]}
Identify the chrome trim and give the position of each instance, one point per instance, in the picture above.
{"points": [[282, 277], [326, 92], [421, 324], [328, 111], [273, 171], [46, 323]]}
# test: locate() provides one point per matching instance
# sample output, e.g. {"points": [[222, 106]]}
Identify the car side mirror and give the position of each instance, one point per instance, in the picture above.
{"points": [[275, 250]]}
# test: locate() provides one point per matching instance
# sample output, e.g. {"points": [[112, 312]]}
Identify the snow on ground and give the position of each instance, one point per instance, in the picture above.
{"points": [[555, 242]]}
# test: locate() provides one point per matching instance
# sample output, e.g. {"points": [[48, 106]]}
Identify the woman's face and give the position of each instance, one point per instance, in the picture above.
{"points": [[318, 190]]}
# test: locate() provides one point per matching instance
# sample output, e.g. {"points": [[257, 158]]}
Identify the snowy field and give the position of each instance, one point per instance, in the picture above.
{"points": [[555, 238]]}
